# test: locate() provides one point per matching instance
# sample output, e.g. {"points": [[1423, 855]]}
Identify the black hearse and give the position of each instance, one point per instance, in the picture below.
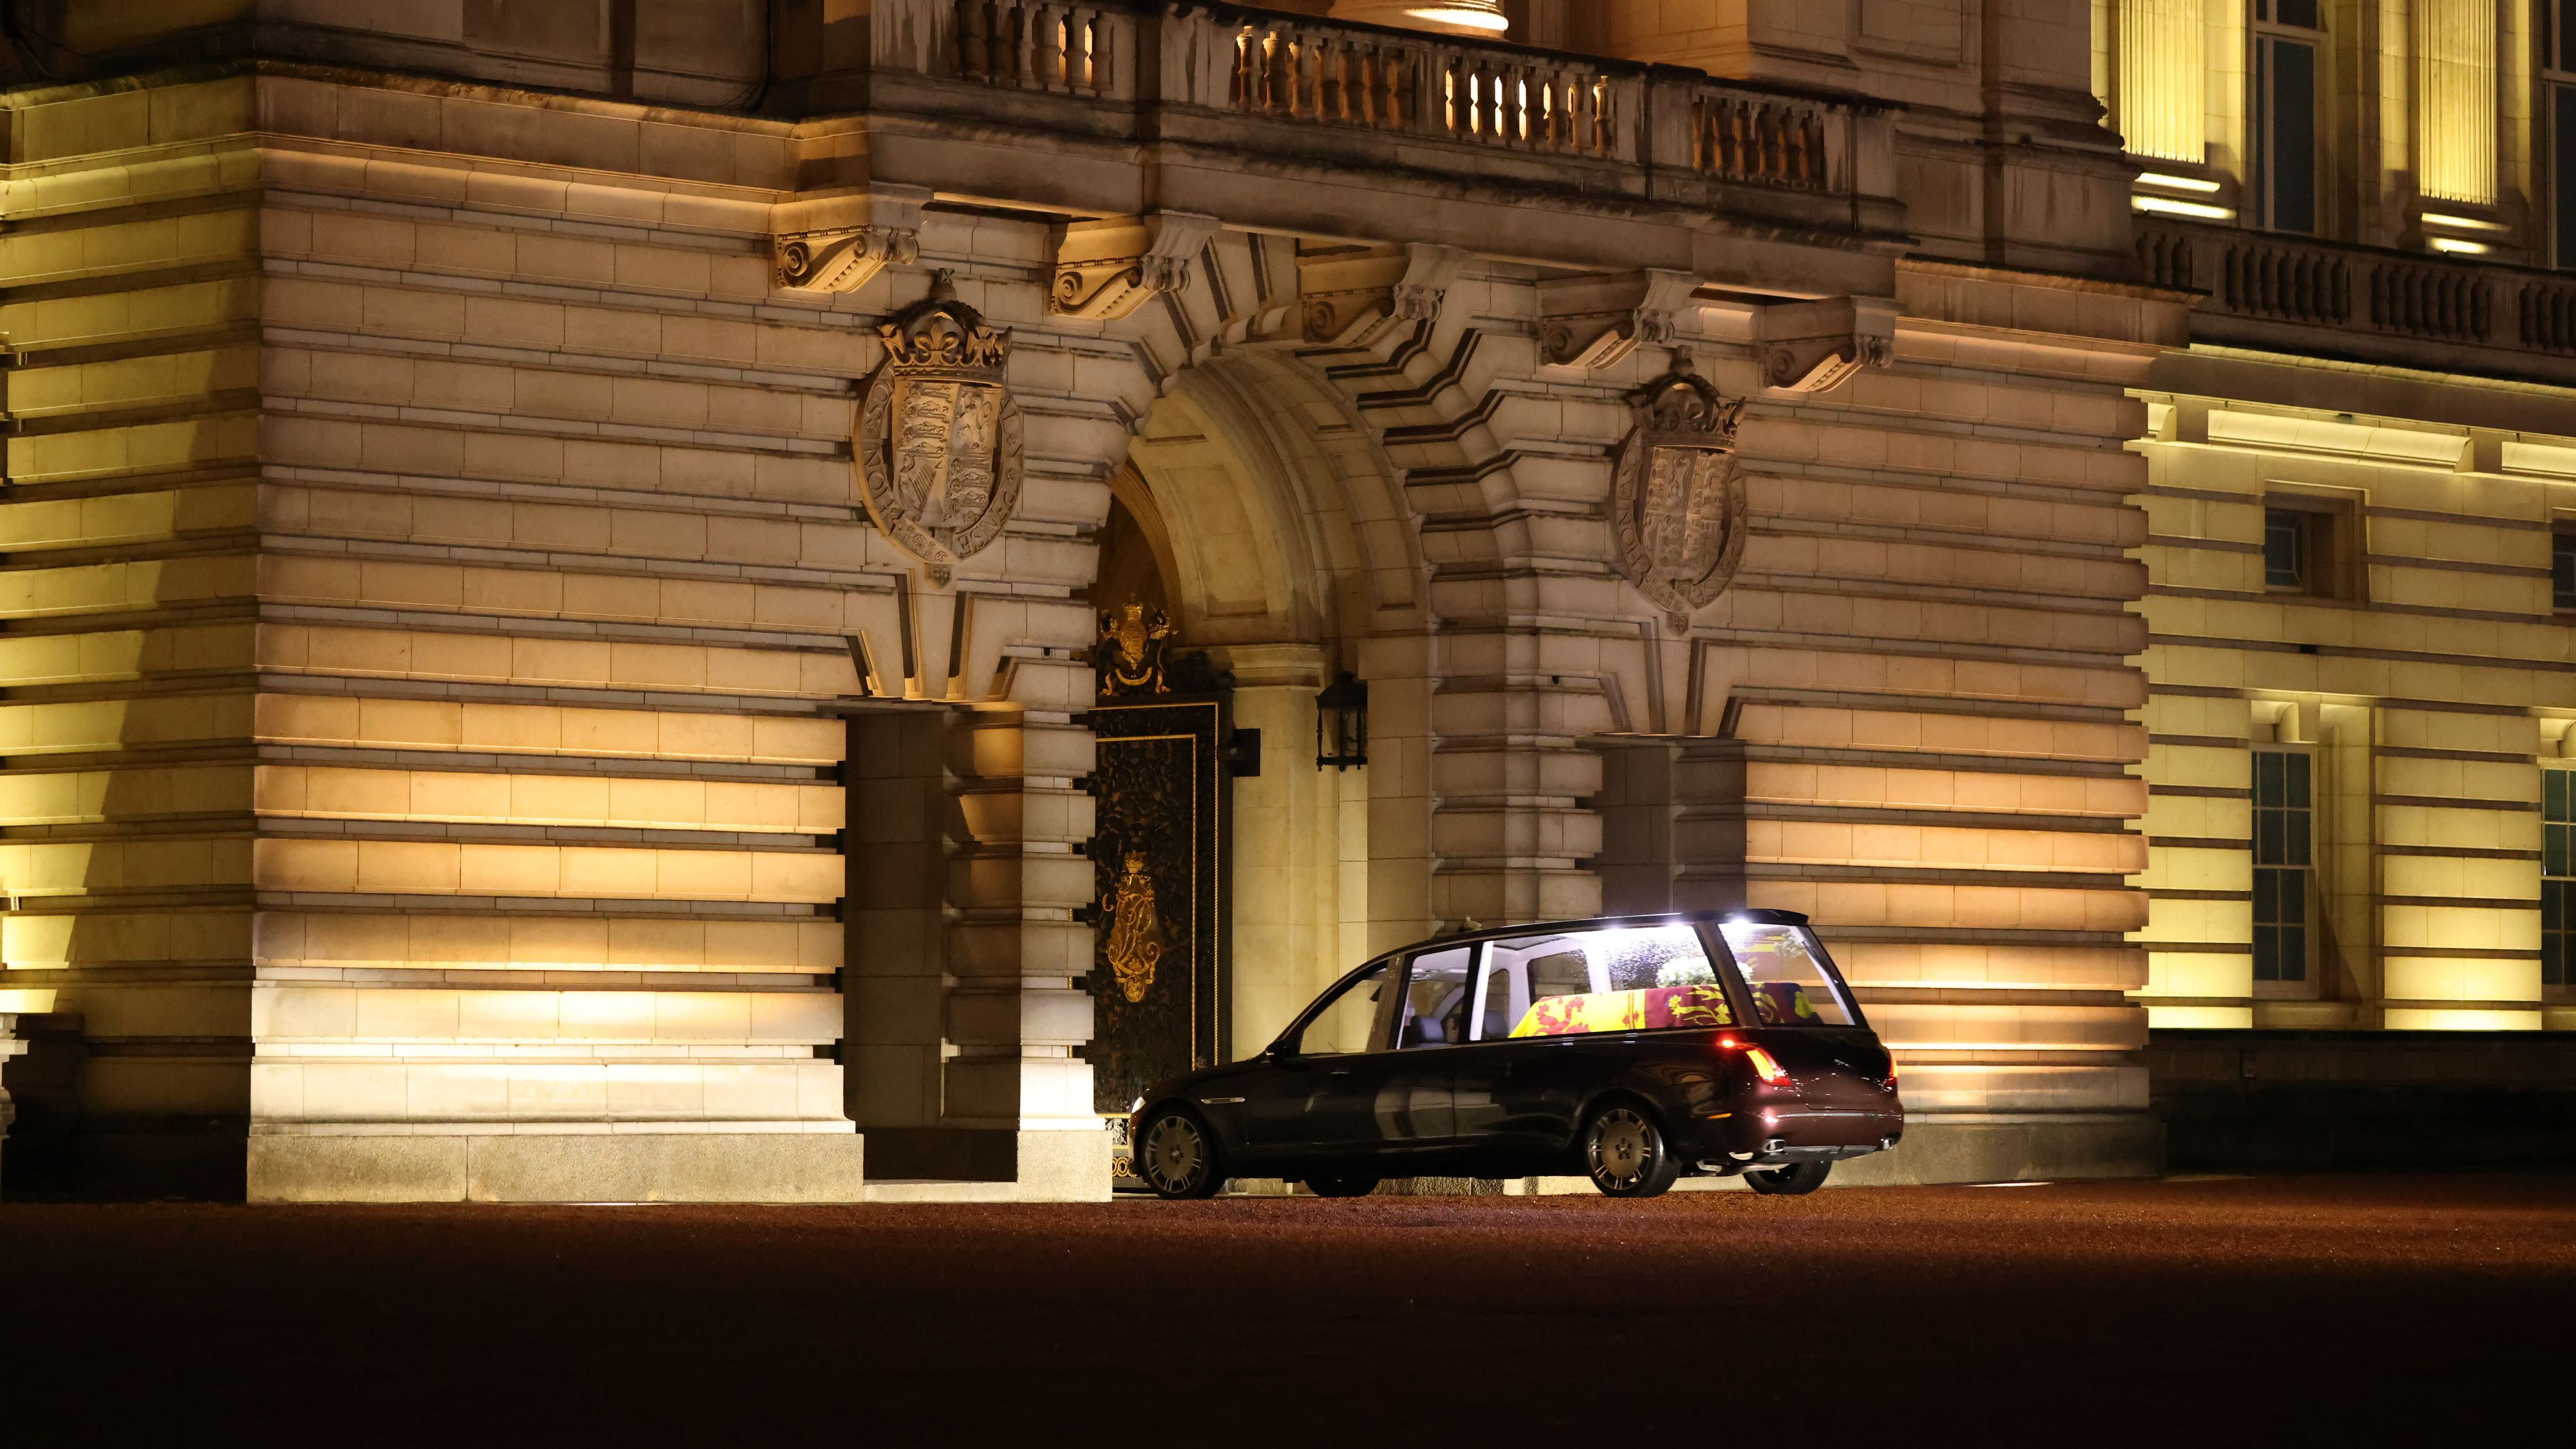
{"points": [[1629, 1049]]}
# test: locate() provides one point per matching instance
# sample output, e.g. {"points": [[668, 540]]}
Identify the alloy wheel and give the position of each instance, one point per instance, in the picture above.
{"points": [[1622, 1149], [1174, 1157]]}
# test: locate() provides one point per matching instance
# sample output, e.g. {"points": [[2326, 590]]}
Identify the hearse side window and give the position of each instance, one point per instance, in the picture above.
{"points": [[1435, 998], [1784, 970], [1344, 1025], [1619, 978]]}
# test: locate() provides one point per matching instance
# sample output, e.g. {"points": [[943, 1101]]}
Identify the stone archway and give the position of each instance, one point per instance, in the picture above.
{"points": [[1263, 517]]}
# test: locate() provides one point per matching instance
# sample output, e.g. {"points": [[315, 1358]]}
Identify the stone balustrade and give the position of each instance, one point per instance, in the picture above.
{"points": [[2378, 302], [1627, 122]]}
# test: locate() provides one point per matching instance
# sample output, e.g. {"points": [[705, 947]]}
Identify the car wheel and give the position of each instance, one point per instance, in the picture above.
{"points": [[1624, 1152], [1176, 1155], [1795, 1180], [1342, 1186]]}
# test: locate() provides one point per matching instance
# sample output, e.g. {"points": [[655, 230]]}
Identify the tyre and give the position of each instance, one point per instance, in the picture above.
{"points": [[1795, 1180], [1176, 1155], [1624, 1153], [1341, 1186]]}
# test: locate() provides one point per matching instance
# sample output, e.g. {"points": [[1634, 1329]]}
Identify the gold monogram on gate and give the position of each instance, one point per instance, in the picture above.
{"points": [[939, 446], [1135, 930], [1676, 493]]}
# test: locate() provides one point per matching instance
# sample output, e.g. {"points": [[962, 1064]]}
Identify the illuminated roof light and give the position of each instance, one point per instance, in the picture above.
{"points": [[2176, 183], [2167, 206]]}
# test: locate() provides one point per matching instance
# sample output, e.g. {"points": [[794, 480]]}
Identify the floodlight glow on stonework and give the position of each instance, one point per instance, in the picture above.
{"points": [[1469, 16], [2168, 206], [2462, 223], [2459, 247], [2172, 182]]}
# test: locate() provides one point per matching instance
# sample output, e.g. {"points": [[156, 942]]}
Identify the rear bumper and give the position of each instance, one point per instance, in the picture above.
{"points": [[1772, 1135]]}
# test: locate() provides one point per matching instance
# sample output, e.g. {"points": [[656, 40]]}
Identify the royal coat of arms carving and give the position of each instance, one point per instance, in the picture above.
{"points": [[939, 440], [1677, 494]]}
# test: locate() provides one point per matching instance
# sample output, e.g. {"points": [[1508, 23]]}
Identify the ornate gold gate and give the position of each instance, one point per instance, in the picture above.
{"points": [[1163, 944]]}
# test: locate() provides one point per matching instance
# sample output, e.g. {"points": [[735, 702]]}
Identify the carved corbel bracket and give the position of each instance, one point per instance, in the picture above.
{"points": [[838, 243], [1105, 270], [1596, 321], [1818, 346], [1349, 295]]}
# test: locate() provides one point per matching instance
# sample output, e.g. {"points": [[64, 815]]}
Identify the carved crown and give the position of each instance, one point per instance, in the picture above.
{"points": [[1686, 407], [943, 338]]}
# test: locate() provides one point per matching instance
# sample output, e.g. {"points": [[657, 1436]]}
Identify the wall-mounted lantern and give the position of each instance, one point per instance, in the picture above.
{"points": [[1341, 723]]}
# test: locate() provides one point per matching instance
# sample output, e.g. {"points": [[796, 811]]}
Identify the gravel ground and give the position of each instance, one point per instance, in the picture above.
{"points": [[2230, 1310]]}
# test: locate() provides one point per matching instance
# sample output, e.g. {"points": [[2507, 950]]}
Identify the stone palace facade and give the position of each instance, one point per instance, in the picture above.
{"points": [[568, 567]]}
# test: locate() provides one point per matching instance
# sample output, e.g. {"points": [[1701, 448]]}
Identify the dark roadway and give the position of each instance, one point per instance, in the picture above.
{"points": [[2222, 1311]]}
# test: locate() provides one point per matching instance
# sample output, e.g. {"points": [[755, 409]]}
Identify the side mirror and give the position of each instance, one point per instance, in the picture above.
{"points": [[1285, 1054]]}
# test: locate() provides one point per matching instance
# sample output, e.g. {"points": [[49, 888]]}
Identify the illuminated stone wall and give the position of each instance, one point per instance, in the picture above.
{"points": [[2431, 694], [440, 761]]}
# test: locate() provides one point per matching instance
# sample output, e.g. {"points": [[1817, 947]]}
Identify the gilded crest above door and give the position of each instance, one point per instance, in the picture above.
{"points": [[939, 444], [1677, 493]]}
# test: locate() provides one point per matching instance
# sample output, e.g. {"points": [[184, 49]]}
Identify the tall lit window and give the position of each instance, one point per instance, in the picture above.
{"points": [[2455, 110], [2282, 822], [2558, 118], [2557, 877], [2287, 44], [2161, 79]]}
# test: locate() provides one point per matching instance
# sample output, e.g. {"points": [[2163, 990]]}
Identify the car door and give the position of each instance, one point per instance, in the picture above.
{"points": [[1416, 1105], [1318, 1105]]}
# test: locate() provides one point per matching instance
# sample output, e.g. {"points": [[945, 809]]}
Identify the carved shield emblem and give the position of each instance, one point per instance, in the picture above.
{"points": [[1677, 495], [939, 445]]}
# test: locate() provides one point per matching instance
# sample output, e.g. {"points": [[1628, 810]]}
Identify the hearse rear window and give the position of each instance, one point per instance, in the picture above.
{"points": [[1620, 978], [1784, 970]]}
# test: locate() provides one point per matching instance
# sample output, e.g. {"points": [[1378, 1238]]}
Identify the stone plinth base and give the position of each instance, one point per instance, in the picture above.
{"points": [[1068, 1166], [765, 1167]]}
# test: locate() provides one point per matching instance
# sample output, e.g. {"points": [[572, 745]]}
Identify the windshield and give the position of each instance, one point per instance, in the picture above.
{"points": [[1784, 970]]}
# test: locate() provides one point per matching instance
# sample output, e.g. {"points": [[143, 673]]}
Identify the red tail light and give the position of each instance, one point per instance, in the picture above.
{"points": [[1764, 1064]]}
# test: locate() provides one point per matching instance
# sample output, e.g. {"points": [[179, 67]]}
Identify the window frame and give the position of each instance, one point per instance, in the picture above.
{"points": [[2304, 985], [2261, 33], [2560, 834], [1477, 955], [1381, 1030], [2553, 158], [2333, 540], [1721, 964], [1740, 986], [2562, 544]]}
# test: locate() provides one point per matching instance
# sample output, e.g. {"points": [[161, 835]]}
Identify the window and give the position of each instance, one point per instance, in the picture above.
{"points": [[2562, 569], [1784, 970], [2557, 877], [2306, 546], [1435, 998], [2284, 114], [1620, 978], [2285, 549], [2281, 865], [2558, 110], [1345, 1022]]}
